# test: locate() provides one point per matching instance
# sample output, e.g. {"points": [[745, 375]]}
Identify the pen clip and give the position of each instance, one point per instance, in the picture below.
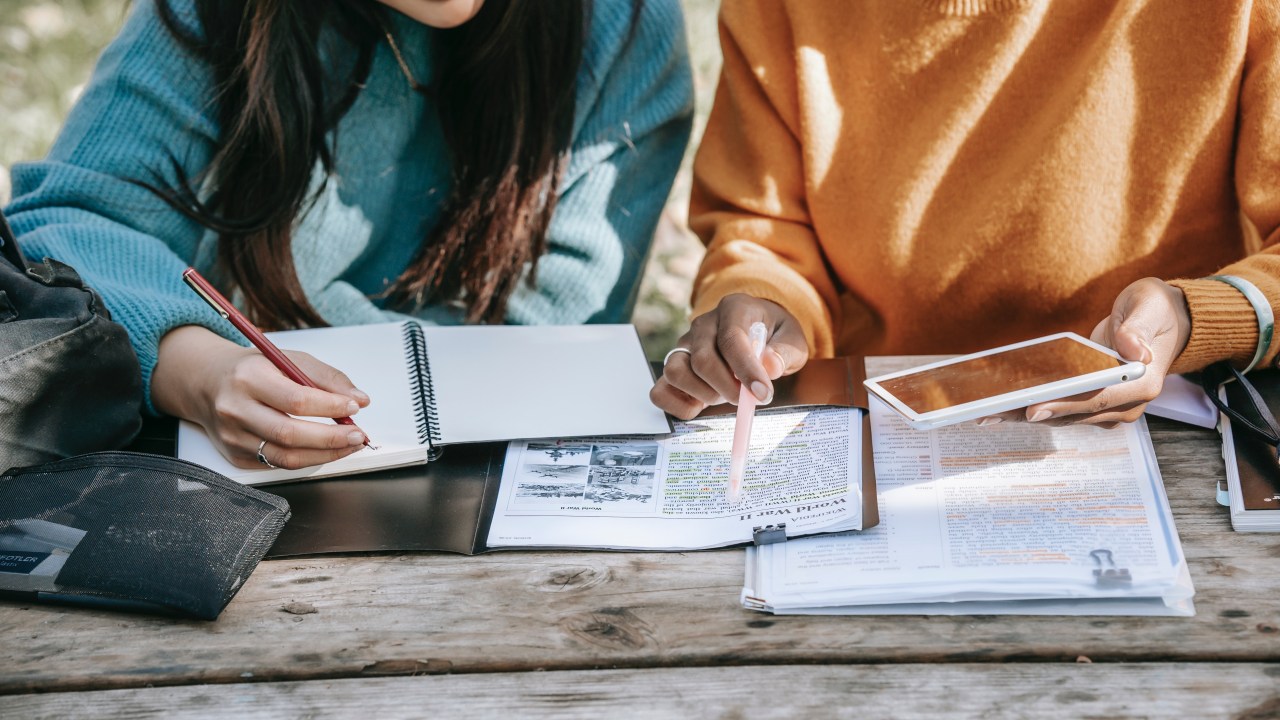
{"points": [[191, 282]]}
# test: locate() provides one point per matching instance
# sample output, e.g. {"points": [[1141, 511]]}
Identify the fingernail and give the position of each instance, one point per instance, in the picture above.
{"points": [[990, 421], [352, 407], [760, 391], [360, 395], [355, 437], [1040, 415], [1151, 354]]}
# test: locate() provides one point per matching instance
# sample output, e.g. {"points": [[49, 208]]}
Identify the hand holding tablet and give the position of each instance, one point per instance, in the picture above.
{"points": [[1001, 379]]}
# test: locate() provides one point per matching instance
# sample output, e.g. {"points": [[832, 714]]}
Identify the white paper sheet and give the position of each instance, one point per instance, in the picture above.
{"points": [[1184, 401]]}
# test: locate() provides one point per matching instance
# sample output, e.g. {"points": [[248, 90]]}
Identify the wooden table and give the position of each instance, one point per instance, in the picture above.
{"points": [[589, 634]]}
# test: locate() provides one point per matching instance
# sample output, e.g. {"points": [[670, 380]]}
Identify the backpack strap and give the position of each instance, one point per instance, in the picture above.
{"points": [[9, 245]]}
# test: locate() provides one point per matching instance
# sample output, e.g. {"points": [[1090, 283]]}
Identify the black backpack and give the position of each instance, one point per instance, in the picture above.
{"points": [[69, 379]]}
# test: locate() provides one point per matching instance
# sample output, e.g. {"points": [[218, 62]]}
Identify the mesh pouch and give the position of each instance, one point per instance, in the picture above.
{"points": [[132, 530]]}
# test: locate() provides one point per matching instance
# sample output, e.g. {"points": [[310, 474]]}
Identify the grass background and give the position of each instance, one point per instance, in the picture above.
{"points": [[47, 50]]}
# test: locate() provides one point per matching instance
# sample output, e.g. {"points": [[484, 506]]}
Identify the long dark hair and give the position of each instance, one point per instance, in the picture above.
{"points": [[504, 87]]}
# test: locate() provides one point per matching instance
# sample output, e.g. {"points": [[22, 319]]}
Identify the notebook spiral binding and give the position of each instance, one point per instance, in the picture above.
{"points": [[424, 394]]}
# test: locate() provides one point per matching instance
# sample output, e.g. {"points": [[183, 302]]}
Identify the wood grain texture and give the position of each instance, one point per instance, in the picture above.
{"points": [[903, 692], [523, 611]]}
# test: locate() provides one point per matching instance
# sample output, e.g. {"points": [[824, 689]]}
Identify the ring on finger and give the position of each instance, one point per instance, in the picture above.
{"points": [[673, 351], [263, 458]]}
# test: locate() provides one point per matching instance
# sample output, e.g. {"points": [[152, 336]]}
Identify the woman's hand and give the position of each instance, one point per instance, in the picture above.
{"points": [[241, 399], [719, 354], [1149, 323]]}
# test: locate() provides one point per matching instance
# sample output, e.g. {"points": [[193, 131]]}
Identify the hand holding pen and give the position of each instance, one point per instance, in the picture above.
{"points": [[714, 360], [250, 407]]}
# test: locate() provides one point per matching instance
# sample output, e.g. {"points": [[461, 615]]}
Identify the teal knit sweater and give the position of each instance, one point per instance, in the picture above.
{"points": [[149, 101]]}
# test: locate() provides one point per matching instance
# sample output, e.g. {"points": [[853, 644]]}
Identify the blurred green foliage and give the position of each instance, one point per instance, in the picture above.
{"points": [[47, 50]]}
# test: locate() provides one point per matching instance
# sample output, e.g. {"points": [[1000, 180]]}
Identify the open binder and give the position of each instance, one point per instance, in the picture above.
{"points": [[449, 504]]}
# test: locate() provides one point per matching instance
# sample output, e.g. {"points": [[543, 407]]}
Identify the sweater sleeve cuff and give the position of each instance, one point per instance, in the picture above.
{"points": [[798, 298], [1223, 325]]}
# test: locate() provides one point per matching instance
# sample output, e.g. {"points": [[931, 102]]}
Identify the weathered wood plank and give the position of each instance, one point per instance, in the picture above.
{"points": [[1049, 691], [399, 615]]}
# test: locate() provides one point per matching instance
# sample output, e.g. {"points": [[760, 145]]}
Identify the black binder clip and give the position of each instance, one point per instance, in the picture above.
{"points": [[769, 534], [1107, 574]]}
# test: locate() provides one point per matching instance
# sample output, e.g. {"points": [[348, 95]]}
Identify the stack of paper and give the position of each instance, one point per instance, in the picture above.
{"points": [[1013, 518]]}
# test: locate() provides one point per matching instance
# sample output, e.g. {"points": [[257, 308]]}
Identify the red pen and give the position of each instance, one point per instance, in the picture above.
{"points": [[255, 336]]}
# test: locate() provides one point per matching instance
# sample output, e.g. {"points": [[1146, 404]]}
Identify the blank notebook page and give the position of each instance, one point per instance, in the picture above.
{"points": [[505, 382]]}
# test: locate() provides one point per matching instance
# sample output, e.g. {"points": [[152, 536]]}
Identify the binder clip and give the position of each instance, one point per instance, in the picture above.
{"points": [[1107, 574], [769, 534]]}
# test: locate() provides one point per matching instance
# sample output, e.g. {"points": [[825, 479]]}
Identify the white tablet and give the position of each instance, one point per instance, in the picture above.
{"points": [[1004, 378]]}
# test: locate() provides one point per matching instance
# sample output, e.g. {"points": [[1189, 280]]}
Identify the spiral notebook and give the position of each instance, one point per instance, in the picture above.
{"points": [[434, 386]]}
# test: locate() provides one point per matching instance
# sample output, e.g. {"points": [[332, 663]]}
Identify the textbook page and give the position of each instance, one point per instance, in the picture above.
{"points": [[668, 492], [1008, 512]]}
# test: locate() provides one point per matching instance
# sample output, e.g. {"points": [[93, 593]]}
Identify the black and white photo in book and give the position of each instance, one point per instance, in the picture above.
{"points": [[617, 476]]}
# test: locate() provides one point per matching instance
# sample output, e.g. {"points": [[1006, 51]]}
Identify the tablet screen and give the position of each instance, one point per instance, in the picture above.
{"points": [[996, 374]]}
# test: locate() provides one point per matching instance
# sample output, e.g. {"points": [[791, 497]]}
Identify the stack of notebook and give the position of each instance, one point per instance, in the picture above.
{"points": [[1253, 470]]}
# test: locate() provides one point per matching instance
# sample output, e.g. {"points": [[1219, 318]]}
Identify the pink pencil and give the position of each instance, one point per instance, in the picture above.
{"points": [[742, 424]]}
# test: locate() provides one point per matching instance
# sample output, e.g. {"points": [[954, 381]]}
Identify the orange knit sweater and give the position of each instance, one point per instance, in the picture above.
{"points": [[930, 176]]}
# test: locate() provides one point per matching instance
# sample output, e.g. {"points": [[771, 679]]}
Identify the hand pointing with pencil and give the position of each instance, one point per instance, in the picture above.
{"points": [[719, 358]]}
